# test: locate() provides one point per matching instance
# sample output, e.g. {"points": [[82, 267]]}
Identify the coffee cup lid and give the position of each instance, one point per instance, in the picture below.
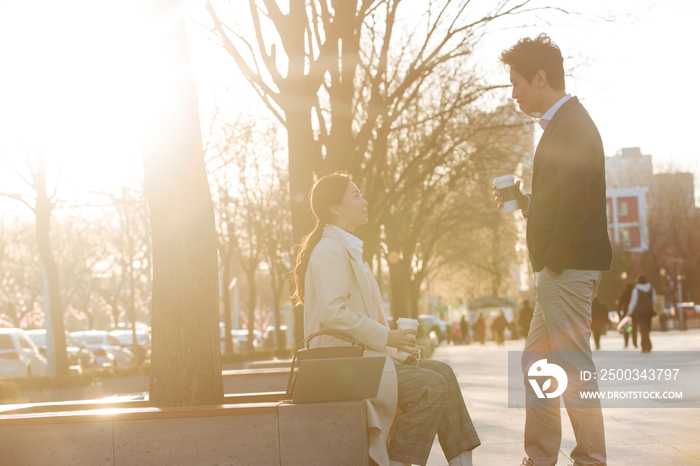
{"points": [[502, 179], [407, 320]]}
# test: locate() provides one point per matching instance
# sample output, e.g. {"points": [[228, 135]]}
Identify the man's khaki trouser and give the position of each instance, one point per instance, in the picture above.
{"points": [[561, 326]]}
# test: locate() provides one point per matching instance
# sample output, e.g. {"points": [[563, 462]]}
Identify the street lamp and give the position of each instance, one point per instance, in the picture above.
{"points": [[679, 278]]}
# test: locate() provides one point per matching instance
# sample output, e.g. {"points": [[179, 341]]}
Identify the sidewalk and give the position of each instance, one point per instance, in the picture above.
{"points": [[635, 437]]}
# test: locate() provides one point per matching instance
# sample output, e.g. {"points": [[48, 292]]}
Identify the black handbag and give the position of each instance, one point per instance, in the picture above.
{"points": [[356, 350]]}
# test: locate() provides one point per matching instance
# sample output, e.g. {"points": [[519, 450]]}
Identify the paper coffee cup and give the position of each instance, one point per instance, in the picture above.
{"points": [[404, 323], [506, 186]]}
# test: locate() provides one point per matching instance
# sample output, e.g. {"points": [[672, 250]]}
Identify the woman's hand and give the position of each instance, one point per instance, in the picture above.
{"points": [[402, 340]]}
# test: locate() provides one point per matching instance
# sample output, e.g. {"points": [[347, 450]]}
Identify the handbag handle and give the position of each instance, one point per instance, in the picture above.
{"points": [[305, 344], [335, 333]]}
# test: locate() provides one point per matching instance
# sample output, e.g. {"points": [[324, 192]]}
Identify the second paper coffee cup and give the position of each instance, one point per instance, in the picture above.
{"points": [[506, 186], [404, 323]]}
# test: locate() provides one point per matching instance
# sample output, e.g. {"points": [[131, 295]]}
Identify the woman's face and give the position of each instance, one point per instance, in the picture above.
{"points": [[352, 211]]}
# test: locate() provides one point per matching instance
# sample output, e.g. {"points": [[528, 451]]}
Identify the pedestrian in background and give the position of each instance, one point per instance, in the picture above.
{"points": [[642, 307], [464, 329], [599, 320], [481, 328], [623, 304], [525, 318], [498, 326]]}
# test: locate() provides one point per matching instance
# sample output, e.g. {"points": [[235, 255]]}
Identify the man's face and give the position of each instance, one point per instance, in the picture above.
{"points": [[526, 94]]}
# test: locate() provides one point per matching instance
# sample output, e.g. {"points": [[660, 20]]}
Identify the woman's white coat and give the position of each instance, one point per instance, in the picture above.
{"points": [[338, 296]]}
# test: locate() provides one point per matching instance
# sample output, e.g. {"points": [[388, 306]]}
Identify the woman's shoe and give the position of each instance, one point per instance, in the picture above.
{"points": [[465, 459]]}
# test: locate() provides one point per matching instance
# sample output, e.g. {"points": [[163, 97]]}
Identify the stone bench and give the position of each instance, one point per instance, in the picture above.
{"points": [[254, 433]]}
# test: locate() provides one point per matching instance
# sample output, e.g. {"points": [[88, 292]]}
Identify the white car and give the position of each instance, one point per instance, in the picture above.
{"points": [[105, 347], [143, 343], [19, 356]]}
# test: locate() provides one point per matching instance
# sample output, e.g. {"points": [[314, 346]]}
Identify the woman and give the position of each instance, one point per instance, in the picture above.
{"points": [[641, 308], [339, 292]]}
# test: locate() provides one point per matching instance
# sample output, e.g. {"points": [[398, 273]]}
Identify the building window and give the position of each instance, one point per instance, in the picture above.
{"points": [[622, 209], [625, 237]]}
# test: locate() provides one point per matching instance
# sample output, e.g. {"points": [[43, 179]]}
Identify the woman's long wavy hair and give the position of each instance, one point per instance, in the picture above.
{"points": [[327, 192]]}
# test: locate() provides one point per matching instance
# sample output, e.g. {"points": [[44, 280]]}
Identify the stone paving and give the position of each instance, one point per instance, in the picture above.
{"points": [[635, 437]]}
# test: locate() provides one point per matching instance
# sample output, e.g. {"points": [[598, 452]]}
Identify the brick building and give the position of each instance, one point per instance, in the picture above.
{"points": [[627, 219], [628, 175]]}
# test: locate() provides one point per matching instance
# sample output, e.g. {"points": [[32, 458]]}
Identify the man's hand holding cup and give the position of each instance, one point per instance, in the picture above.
{"points": [[507, 194]]}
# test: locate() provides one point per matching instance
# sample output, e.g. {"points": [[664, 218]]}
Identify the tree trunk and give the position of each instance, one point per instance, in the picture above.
{"points": [[414, 297], [186, 360], [252, 302], [300, 139], [277, 286], [399, 279], [228, 342], [42, 211]]}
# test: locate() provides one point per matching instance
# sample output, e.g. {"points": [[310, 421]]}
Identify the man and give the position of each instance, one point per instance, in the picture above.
{"points": [[622, 304], [568, 243], [599, 320], [525, 318]]}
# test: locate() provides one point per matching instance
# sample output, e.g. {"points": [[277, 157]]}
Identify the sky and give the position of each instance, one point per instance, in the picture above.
{"points": [[70, 77]]}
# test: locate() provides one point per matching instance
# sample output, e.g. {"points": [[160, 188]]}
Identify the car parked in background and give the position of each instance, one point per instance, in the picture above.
{"points": [[78, 355], [240, 339], [434, 324], [142, 350], [269, 336], [19, 356], [690, 310], [103, 345]]}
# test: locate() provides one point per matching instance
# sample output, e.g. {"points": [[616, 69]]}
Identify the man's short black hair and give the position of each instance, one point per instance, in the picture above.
{"points": [[540, 53]]}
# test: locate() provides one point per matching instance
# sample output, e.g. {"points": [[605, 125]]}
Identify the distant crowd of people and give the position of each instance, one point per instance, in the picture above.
{"points": [[636, 301], [478, 330]]}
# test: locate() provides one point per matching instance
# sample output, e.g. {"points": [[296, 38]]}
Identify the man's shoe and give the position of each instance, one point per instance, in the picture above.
{"points": [[526, 462]]}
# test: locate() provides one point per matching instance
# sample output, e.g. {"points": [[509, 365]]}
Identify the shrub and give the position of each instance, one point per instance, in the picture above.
{"points": [[8, 389], [49, 382], [122, 372]]}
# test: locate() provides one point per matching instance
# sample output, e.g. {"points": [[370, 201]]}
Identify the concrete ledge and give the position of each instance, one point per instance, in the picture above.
{"points": [[79, 444], [127, 403], [124, 385], [323, 434], [271, 364], [255, 380], [241, 440], [128, 433], [135, 414]]}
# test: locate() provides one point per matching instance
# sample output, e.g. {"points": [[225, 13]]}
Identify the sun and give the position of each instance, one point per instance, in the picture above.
{"points": [[70, 88]]}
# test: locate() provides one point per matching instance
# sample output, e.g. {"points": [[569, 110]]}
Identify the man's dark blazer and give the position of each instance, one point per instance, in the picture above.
{"points": [[567, 225]]}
